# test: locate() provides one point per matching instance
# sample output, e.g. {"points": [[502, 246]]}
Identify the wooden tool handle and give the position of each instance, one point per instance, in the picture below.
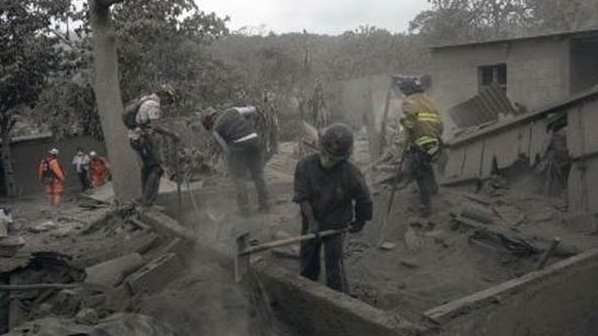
{"points": [[284, 242]]}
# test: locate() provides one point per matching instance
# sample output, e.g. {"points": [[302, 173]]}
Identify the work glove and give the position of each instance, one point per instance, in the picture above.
{"points": [[356, 226], [314, 226]]}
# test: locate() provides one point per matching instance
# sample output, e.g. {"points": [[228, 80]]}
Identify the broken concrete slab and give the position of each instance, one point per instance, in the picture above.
{"points": [[113, 325], [478, 213], [558, 300], [10, 245], [181, 247], [43, 227], [318, 310], [112, 272], [163, 224], [155, 275], [388, 246]]}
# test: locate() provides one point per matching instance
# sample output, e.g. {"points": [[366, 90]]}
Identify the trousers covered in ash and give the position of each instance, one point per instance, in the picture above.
{"points": [[333, 254], [420, 168], [149, 150], [248, 158]]}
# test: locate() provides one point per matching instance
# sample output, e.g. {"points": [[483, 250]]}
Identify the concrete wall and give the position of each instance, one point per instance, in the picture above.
{"points": [[28, 154], [313, 309], [537, 71], [559, 300]]}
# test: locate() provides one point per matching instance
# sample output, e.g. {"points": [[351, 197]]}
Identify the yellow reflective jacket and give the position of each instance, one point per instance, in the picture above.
{"points": [[421, 121]]}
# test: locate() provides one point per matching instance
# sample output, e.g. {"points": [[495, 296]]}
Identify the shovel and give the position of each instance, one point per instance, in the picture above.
{"points": [[243, 251]]}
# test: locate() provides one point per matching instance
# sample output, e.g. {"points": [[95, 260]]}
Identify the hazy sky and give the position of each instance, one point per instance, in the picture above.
{"points": [[316, 16]]}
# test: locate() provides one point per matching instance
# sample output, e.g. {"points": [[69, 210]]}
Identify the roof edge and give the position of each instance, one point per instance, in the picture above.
{"points": [[513, 39]]}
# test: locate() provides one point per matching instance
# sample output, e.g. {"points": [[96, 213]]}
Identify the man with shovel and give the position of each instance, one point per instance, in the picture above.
{"points": [[332, 194]]}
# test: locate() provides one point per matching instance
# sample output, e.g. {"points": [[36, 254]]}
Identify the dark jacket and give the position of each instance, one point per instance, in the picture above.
{"points": [[331, 192], [231, 126]]}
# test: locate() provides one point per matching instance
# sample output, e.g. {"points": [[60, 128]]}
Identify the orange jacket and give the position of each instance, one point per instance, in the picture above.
{"points": [[57, 184]]}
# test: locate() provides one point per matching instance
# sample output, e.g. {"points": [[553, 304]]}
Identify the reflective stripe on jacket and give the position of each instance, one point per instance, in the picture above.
{"points": [[421, 121]]}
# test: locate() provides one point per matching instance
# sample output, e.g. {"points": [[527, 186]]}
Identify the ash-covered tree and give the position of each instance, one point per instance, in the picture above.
{"points": [[453, 21], [166, 42], [30, 52]]}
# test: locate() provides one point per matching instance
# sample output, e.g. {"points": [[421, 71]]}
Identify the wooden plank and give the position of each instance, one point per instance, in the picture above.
{"points": [[525, 133], [490, 145], [589, 113], [590, 187], [473, 160], [539, 141], [576, 189], [575, 140], [454, 163], [507, 149]]}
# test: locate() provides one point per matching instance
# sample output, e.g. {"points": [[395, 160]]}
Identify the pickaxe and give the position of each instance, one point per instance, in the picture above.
{"points": [[243, 251]]}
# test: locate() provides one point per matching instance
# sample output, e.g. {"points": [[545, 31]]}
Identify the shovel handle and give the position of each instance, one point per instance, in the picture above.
{"points": [[289, 241]]}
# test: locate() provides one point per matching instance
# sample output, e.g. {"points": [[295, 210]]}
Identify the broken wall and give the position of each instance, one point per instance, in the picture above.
{"points": [[478, 157]]}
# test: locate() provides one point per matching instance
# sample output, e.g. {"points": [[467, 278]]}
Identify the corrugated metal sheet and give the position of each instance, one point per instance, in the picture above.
{"points": [[482, 108]]}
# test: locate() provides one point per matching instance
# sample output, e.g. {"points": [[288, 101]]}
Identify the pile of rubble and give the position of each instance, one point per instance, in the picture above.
{"points": [[90, 287]]}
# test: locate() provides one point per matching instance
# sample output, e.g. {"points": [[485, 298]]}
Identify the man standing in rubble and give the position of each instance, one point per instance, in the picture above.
{"points": [[146, 130], [423, 131], [234, 130], [332, 194]]}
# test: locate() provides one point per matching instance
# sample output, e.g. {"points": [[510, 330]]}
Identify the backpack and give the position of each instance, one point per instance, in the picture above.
{"points": [[129, 115], [47, 173]]}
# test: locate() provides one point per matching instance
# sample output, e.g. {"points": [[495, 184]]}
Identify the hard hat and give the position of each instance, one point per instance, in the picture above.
{"points": [[337, 141], [53, 151], [93, 153], [208, 116], [408, 85]]}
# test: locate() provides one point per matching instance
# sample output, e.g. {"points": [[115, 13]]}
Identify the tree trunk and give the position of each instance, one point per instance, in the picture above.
{"points": [[107, 91], [10, 179]]}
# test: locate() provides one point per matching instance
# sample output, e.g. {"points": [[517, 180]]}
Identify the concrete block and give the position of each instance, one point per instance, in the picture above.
{"points": [[478, 213], [112, 272], [155, 275], [166, 225]]}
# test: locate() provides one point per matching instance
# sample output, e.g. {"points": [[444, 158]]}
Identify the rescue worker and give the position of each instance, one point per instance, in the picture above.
{"points": [[52, 175], [332, 194], [99, 170], [423, 129], [81, 163], [145, 137], [236, 134]]}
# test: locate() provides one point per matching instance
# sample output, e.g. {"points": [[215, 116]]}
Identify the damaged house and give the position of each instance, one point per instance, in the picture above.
{"points": [[526, 108]]}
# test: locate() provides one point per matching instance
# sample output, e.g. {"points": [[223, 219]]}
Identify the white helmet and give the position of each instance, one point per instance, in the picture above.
{"points": [[53, 151], [93, 153]]}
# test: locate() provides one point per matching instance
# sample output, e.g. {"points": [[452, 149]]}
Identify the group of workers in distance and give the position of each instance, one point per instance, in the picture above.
{"points": [[330, 190], [92, 171]]}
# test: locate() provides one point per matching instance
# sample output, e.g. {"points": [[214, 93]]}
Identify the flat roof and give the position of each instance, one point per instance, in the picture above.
{"points": [[576, 33]]}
